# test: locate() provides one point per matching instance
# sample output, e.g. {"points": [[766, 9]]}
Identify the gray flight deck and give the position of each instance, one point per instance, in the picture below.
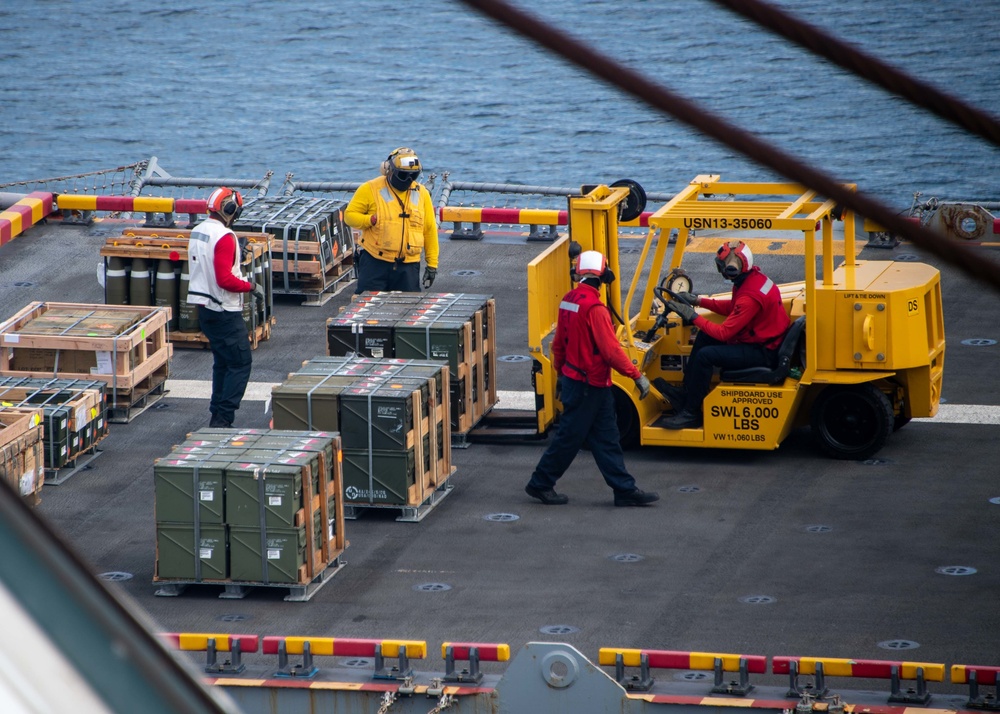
{"points": [[762, 553]]}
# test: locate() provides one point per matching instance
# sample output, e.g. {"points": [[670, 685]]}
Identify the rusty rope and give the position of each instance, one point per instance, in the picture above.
{"points": [[730, 135], [868, 67]]}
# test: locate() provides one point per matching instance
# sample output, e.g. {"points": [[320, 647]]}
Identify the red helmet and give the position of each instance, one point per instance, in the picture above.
{"points": [[733, 259], [227, 203]]}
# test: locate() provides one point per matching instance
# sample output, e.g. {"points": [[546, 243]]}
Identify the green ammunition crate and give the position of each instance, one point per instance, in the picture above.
{"points": [[182, 485], [442, 339], [309, 402], [255, 494], [388, 481], [180, 555], [272, 557], [385, 412], [354, 335]]}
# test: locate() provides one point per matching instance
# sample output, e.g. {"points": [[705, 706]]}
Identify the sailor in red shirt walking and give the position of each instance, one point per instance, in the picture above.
{"points": [[750, 336], [217, 287], [584, 352]]}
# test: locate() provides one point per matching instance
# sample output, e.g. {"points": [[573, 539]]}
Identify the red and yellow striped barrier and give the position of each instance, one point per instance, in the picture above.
{"points": [[666, 659], [822, 667], [198, 642], [213, 643], [345, 647], [473, 653], [864, 668], [25, 213], [487, 652], [716, 662], [964, 673], [518, 216], [138, 204]]}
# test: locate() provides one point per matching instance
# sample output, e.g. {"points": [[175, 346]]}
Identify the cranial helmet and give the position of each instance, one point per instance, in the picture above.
{"points": [[401, 168], [593, 264], [733, 259], [227, 203]]}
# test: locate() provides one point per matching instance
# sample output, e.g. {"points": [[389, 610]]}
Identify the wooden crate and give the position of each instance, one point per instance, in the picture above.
{"points": [[124, 357], [172, 244], [323, 552], [475, 381], [21, 457]]}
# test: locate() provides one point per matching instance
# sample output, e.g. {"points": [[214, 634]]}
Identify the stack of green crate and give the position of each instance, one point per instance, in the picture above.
{"points": [[396, 441], [74, 411], [234, 505], [455, 327]]}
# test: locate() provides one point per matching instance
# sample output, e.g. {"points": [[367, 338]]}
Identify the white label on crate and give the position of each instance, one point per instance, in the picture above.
{"points": [[206, 495], [64, 450], [274, 500], [204, 553], [377, 352], [104, 364], [81, 416], [273, 553], [12, 339], [28, 482], [332, 534]]}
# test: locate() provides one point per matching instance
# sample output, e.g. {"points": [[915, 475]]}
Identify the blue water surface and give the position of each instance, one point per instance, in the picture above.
{"points": [[325, 90]]}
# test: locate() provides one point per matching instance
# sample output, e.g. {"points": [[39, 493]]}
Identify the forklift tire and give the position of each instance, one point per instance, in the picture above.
{"points": [[628, 420], [852, 422]]}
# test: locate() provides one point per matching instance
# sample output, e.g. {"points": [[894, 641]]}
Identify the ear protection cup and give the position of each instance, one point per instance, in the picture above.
{"points": [[226, 202]]}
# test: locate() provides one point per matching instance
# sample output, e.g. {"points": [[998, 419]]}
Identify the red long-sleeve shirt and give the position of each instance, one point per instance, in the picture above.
{"points": [[599, 349], [225, 254]]}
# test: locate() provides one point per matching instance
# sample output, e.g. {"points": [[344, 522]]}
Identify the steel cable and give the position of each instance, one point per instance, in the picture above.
{"points": [[703, 121]]}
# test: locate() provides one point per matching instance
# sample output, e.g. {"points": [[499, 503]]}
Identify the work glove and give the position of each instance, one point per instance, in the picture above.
{"points": [[687, 298], [642, 384], [686, 312], [429, 275], [258, 293]]}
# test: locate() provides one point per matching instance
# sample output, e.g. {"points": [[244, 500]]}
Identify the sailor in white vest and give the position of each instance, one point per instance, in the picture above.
{"points": [[217, 287]]}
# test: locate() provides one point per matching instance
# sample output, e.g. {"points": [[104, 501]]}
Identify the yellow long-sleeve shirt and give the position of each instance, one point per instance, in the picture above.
{"points": [[394, 237]]}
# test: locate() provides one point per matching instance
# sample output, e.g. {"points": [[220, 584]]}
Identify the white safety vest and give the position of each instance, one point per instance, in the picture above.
{"points": [[203, 290]]}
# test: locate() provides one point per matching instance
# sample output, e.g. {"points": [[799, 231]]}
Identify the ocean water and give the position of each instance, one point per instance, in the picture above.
{"points": [[325, 90]]}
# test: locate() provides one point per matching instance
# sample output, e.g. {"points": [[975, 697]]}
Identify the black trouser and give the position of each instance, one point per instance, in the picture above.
{"points": [[377, 274], [588, 415], [230, 343], [708, 354]]}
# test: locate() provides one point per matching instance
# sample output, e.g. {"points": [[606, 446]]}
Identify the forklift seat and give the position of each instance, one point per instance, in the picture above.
{"points": [[787, 356]]}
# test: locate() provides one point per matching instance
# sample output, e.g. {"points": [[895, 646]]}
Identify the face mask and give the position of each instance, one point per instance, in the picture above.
{"points": [[402, 180]]}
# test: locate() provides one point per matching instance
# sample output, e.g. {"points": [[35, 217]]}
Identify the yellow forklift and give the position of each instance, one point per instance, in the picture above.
{"points": [[864, 355]]}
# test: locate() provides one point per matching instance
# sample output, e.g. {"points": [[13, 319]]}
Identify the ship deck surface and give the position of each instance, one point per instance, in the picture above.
{"points": [[732, 559]]}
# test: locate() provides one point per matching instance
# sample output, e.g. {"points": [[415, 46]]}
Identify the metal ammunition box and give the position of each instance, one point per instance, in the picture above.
{"points": [[184, 552], [270, 556], [257, 494], [188, 489], [378, 477]]}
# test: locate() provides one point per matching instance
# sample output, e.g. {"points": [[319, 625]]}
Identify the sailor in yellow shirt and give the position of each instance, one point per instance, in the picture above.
{"points": [[396, 218]]}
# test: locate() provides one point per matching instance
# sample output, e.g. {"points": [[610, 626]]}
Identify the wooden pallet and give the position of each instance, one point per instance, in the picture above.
{"points": [[236, 590], [317, 290], [80, 462], [124, 406], [407, 513], [197, 340], [123, 360], [323, 553]]}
